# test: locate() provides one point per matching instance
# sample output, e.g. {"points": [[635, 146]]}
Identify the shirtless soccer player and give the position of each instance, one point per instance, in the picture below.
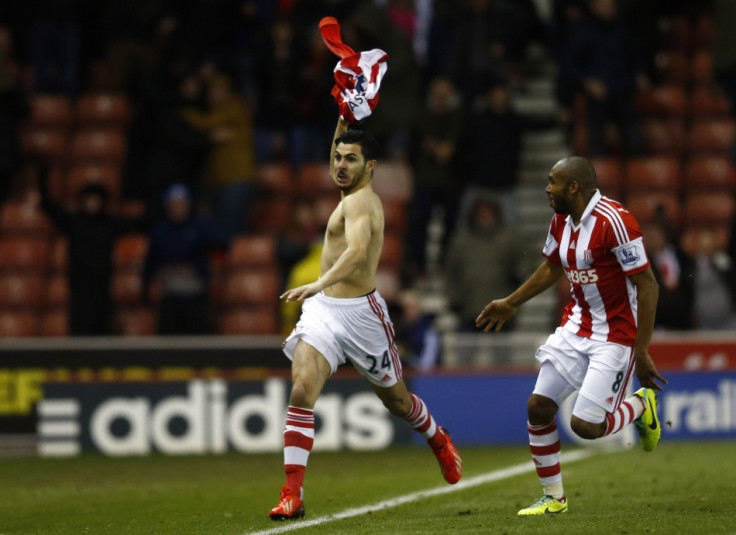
{"points": [[344, 318]]}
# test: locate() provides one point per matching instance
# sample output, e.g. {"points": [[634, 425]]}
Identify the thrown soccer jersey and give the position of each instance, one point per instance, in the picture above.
{"points": [[598, 256]]}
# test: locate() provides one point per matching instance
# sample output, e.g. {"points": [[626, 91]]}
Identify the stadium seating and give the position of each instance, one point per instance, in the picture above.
{"points": [[100, 145], [652, 173], [49, 143], [250, 287], [18, 323], [663, 136], [711, 136], [106, 175], [20, 290], [23, 253], [673, 67], [610, 173], [102, 109], [51, 110], [646, 206], [276, 178], [18, 217], [662, 101], [253, 251], [709, 101], [135, 321], [314, 180], [54, 323], [248, 321], [708, 209], [57, 291], [710, 173], [130, 251]]}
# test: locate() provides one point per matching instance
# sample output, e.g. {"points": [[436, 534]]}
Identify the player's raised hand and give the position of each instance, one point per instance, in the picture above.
{"points": [[302, 292], [495, 314]]}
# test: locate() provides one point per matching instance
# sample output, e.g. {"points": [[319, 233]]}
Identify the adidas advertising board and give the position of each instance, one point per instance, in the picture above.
{"points": [[205, 416]]}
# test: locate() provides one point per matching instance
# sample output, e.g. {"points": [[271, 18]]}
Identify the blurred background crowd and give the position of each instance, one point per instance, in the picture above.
{"points": [[163, 163]]}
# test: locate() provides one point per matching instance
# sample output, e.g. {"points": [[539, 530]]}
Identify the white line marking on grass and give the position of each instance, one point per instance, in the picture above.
{"points": [[496, 475]]}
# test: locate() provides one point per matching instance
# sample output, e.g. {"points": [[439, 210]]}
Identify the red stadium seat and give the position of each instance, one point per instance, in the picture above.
{"points": [[314, 180], [22, 323], [57, 291], [610, 173], [24, 218], [646, 206], [135, 321], [711, 135], [24, 253], [21, 291], [652, 173], [249, 321], [253, 251], [393, 181], [271, 214], [54, 323], [702, 67], [691, 235], [130, 251], [277, 178], [395, 215], [106, 145], [708, 209], [105, 175], [665, 101], [663, 136], [710, 173], [251, 287], [388, 283], [673, 67], [102, 109], [393, 250], [127, 288], [49, 143], [51, 110], [58, 255], [709, 101]]}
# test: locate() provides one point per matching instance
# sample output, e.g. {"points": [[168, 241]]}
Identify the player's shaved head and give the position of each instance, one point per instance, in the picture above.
{"points": [[578, 169]]}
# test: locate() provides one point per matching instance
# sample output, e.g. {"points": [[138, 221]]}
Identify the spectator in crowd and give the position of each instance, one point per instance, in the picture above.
{"points": [[601, 62], [484, 259], [715, 284], [490, 40], [420, 343], [54, 45], [178, 261], [673, 269], [91, 232], [495, 130], [297, 239], [13, 108], [436, 181], [177, 150], [278, 92], [306, 270], [230, 167]]}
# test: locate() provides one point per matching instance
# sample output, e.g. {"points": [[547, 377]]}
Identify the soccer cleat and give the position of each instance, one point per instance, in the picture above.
{"points": [[647, 425], [289, 506], [449, 459], [546, 505]]}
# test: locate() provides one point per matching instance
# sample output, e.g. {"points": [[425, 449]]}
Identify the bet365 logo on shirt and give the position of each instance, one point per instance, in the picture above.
{"points": [[581, 276]]}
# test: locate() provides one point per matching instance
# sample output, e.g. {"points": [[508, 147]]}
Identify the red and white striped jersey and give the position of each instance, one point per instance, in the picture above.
{"points": [[598, 256]]}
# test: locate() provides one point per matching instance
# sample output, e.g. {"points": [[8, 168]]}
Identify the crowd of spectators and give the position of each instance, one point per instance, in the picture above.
{"points": [[220, 90]]}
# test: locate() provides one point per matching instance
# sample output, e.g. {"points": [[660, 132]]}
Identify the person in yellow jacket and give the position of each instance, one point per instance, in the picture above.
{"points": [[230, 168], [305, 271]]}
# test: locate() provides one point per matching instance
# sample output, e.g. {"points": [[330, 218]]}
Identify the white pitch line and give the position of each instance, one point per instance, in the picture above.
{"points": [[481, 479]]}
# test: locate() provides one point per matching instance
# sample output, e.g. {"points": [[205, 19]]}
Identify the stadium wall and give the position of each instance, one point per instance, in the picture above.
{"points": [[177, 396]]}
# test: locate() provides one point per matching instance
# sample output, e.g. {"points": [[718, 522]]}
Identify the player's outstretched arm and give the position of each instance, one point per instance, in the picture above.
{"points": [[647, 294], [498, 311]]}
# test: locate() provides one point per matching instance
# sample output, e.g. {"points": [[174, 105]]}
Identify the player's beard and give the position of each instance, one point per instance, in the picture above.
{"points": [[354, 182]]}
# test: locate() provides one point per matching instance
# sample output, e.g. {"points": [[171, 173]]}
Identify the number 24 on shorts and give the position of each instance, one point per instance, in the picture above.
{"points": [[385, 362]]}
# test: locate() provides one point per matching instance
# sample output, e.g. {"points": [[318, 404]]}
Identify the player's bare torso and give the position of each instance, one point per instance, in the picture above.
{"points": [[363, 208]]}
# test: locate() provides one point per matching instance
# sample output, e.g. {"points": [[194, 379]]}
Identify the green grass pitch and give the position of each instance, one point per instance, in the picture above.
{"points": [[681, 488]]}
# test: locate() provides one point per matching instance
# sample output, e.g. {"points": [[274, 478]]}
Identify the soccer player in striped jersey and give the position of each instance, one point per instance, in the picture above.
{"points": [[606, 327], [344, 318]]}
